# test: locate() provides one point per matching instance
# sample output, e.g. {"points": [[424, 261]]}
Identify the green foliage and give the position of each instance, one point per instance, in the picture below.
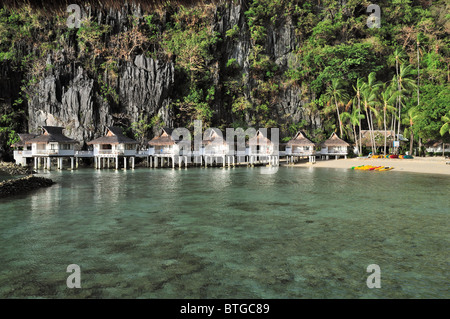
{"points": [[435, 103], [90, 34], [332, 42], [142, 127], [107, 91], [233, 32], [190, 43]]}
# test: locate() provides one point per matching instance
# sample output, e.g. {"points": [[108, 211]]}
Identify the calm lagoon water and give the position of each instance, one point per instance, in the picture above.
{"points": [[228, 233]]}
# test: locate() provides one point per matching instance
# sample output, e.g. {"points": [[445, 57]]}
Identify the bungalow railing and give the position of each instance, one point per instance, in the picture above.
{"points": [[301, 153], [143, 152], [24, 153], [84, 153], [107, 152], [53, 152]]}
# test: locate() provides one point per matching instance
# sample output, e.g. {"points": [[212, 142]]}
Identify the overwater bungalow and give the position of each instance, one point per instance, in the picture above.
{"points": [[113, 146], [167, 150], [215, 148], [23, 151], [52, 143], [334, 146], [261, 149], [300, 147]]}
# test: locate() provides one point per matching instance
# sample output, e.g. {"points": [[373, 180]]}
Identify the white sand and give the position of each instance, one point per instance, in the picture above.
{"points": [[429, 165]]}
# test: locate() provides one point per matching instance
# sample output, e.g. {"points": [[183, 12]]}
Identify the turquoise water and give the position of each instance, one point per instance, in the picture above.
{"points": [[228, 233]]}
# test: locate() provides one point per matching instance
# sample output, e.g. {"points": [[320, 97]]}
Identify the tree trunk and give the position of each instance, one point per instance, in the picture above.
{"points": [[420, 146], [370, 131], [355, 136], [359, 116], [418, 74], [411, 142], [374, 144], [339, 117], [399, 103], [385, 129]]}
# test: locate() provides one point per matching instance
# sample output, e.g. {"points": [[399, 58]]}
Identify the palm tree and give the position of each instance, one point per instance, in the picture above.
{"points": [[410, 117], [388, 96], [446, 127], [355, 120], [404, 86], [357, 88], [369, 98], [336, 93]]}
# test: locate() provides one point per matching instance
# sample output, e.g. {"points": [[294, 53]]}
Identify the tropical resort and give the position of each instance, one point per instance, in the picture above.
{"points": [[115, 150], [252, 149]]}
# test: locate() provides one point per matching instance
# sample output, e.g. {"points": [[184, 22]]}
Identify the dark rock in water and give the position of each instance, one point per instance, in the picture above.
{"points": [[23, 185]]}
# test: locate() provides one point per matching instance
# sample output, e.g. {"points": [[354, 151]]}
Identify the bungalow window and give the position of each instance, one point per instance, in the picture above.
{"points": [[129, 147], [53, 146], [106, 147], [65, 146]]}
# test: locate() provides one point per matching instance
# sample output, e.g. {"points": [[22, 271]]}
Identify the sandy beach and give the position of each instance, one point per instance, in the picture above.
{"points": [[427, 165]]}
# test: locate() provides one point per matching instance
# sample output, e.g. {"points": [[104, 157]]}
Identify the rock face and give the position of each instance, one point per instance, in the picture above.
{"points": [[70, 99], [68, 96]]}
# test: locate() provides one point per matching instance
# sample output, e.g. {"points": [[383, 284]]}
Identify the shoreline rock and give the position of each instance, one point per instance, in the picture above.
{"points": [[23, 185], [14, 169]]}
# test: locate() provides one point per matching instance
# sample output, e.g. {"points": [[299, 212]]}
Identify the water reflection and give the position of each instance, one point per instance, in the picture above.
{"points": [[218, 233], [46, 202]]}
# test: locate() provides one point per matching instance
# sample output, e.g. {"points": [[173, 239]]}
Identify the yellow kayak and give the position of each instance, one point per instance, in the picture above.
{"points": [[385, 169]]}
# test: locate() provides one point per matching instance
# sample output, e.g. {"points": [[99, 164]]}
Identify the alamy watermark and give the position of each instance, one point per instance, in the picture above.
{"points": [[374, 19], [374, 280], [74, 280], [76, 14]]}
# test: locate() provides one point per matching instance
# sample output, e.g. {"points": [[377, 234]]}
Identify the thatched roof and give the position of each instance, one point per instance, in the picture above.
{"points": [[114, 135], [259, 139], [163, 139], [24, 137], [214, 136], [300, 140], [334, 140], [51, 134]]}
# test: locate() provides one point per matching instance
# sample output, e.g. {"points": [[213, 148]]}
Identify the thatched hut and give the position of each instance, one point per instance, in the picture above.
{"points": [[112, 146], [366, 138], [168, 147], [114, 143], [260, 144], [164, 143], [300, 145], [214, 143], [438, 147], [52, 142], [334, 146], [262, 149]]}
